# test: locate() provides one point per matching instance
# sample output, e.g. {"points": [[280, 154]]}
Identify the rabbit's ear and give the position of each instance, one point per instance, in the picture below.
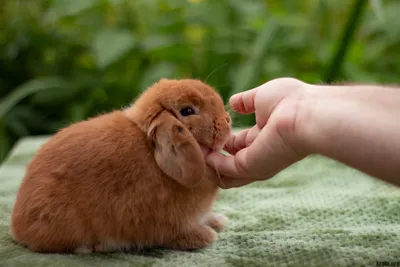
{"points": [[176, 151]]}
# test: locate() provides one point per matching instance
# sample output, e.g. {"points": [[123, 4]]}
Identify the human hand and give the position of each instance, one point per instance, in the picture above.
{"points": [[273, 143]]}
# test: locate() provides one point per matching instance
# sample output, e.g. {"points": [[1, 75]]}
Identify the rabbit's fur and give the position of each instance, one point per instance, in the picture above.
{"points": [[128, 179]]}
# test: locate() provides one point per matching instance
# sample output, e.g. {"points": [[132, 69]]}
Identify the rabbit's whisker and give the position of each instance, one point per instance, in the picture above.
{"points": [[214, 71], [219, 178]]}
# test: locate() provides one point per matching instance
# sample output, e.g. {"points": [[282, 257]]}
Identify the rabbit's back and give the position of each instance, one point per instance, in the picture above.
{"points": [[77, 186]]}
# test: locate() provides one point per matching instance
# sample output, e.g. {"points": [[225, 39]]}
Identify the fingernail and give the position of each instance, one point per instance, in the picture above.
{"points": [[233, 97], [233, 101]]}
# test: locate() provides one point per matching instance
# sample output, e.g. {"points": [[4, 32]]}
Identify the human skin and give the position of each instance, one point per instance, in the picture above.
{"points": [[358, 125]]}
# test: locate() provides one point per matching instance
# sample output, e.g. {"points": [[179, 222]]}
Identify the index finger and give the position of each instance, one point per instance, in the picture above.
{"points": [[243, 102], [241, 140]]}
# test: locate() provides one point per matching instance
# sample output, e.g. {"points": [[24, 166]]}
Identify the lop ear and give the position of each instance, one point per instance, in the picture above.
{"points": [[176, 152]]}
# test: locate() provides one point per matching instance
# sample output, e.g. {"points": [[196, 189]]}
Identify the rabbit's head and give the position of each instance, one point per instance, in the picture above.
{"points": [[180, 117]]}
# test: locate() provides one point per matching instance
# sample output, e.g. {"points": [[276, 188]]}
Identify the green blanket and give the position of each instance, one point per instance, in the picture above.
{"points": [[315, 213]]}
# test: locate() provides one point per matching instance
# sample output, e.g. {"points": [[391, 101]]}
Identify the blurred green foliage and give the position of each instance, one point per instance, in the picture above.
{"points": [[62, 61]]}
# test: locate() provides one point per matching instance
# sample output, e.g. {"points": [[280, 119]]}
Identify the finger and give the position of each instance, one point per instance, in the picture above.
{"points": [[205, 150], [232, 166], [241, 140], [236, 142], [268, 153], [252, 135], [264, 155], [243, 102]]}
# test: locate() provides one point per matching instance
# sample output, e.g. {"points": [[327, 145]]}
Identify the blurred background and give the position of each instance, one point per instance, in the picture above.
{"points": [[62, 61]]}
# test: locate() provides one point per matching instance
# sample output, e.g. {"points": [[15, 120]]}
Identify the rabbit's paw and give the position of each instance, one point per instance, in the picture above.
{"points": [[86, 249], [101, 248], [199, 237], [217, 221]]}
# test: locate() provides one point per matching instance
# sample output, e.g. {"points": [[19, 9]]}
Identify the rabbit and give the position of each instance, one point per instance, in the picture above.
{"points": [[128, 179]]}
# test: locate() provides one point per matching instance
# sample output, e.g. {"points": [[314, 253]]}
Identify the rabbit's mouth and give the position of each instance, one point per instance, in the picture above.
{"points": [[217, 148], [207, 150]]}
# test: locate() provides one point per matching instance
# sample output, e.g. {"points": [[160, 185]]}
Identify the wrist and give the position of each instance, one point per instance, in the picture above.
{"points": [[304, 121], [356, 127], [321, 118], [320, 114]]}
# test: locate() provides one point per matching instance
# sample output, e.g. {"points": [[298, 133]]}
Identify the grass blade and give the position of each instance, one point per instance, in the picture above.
{"points": [[31, 87], [348, 34]]}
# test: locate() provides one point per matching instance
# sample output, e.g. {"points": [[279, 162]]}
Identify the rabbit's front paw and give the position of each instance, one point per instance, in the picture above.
{"points": [[102, 248], [217, 221], [86, 249], [199, 237]]}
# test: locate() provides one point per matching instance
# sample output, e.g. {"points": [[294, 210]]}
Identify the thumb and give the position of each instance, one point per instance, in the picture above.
{"points": [[232, 166]]}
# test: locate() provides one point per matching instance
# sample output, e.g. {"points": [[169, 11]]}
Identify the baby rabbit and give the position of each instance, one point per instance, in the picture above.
{"points": [[128, 179]]}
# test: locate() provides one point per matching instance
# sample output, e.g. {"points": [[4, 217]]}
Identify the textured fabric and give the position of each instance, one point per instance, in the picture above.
{"points": [[316, 213]]}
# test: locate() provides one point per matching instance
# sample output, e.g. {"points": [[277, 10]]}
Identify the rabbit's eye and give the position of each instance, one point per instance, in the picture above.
{"points": [[187, 111]]}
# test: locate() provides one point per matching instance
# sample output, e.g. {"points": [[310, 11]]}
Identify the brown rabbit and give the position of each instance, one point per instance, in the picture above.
{"points": [[128, 179]]}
